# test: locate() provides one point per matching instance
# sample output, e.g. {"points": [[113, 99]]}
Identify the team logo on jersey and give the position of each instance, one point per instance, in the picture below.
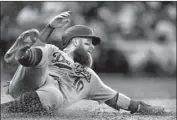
{"points": [[58, 57], [79, 69], [60, 61]]}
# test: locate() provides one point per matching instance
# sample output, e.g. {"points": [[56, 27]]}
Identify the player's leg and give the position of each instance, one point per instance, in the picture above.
{"points": [[27, 79], [27, 38], [121, 101], [32, 72], [48, 99], [16, 87], [50, 95], [33, 101]]}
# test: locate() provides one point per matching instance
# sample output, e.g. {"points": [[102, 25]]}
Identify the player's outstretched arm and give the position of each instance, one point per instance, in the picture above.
{"points": [[104, 94], [58, 21], [121, 101]]}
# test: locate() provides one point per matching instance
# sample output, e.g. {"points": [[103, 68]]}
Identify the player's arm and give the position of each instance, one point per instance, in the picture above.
{"points": [[58, 21], [105, 94], [45, 33]]}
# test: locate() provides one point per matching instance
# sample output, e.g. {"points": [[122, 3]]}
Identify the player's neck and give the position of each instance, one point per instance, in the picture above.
{"points": [[69, 52]]}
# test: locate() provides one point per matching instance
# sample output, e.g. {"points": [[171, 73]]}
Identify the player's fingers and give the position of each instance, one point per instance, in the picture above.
{"points": [[59, 17], [67, 12], [65, 15]]}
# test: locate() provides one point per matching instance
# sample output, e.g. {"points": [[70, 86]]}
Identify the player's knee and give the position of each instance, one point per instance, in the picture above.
{"points": [[52, 99]]}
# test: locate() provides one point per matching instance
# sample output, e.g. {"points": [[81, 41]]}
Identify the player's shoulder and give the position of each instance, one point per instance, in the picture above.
{"points": [[51, 49], [51, 46], [90, 70], [94, 75]]}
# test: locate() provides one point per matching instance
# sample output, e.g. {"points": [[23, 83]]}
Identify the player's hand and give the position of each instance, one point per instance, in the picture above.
{"points": [[60, 20]]}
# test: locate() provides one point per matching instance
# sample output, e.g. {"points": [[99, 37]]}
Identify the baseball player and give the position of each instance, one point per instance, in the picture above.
{"points": [[49, 78]]}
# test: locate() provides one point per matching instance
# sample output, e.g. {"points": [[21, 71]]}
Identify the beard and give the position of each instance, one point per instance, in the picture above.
{"points": [[82, 56]]}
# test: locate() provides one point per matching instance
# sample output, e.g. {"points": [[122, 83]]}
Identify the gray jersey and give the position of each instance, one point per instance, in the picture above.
{"points": [[75, 82]]}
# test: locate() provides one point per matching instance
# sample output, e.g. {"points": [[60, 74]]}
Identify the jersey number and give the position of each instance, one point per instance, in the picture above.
{"points": [[78, 84]]}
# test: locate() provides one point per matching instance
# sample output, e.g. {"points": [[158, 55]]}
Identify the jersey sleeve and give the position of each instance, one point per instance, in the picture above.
{"points": [[51, 49], [47, 52], [99, 91]]}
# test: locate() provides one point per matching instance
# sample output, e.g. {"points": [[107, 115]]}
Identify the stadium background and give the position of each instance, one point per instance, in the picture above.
{"points": [[138, 52], [138, 38]]}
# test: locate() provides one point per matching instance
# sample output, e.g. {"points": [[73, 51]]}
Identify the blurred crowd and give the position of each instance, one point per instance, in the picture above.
{"points": [[138, 38]]}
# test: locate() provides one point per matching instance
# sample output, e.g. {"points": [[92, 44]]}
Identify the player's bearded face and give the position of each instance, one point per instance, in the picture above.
{"points": [[82, 56]]}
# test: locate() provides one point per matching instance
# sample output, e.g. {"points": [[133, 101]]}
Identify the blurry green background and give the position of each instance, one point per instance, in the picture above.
{"points": [[138, 38]]}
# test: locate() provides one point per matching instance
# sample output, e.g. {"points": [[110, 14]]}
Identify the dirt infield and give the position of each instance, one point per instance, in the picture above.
{"points": [[151, 90], [89, 110]]}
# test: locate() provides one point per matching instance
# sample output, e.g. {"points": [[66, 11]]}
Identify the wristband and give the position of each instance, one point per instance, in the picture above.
{"points": [[51, 26]]}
